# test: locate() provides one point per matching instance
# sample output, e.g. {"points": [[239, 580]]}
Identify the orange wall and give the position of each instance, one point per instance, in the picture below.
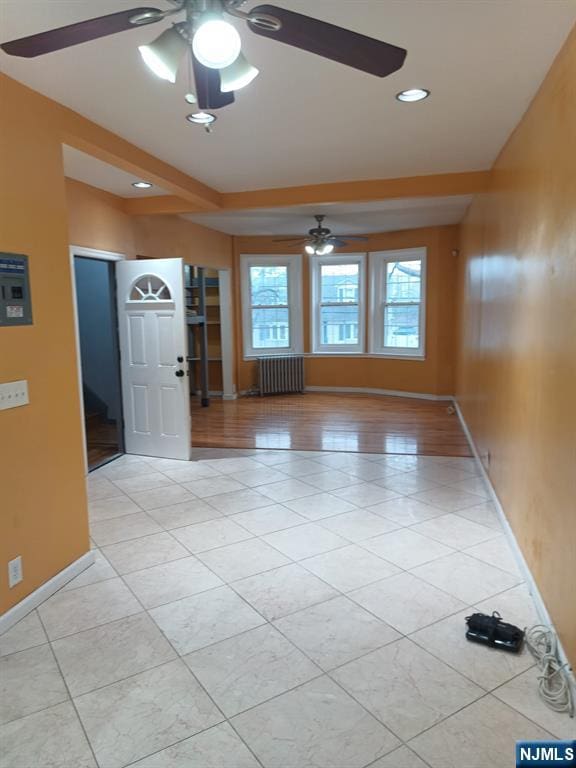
{"points": [[434, 375], [96, 219], [173, 237], [517, 352], [43, 499]]}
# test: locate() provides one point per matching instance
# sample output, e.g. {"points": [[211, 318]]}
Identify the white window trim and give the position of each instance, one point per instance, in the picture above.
{"points": [[378, 261], [337, 349], [294, 264]]}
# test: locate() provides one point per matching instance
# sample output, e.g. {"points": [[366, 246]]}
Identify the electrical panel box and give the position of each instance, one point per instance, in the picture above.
{"points": [[15, 299]]}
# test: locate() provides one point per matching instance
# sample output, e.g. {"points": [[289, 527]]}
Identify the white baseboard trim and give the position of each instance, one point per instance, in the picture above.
{"points": [[363, 391], [541, 609], [33, 600], [230, 397], [387, 392]]}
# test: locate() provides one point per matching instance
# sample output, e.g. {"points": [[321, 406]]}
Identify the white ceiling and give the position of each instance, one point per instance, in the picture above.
{"points": [[349, 218], [82, 167], [305, 119]]}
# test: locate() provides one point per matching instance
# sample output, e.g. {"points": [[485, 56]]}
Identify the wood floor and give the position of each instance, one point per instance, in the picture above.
{"points": [[101, 442], [326, 422]]}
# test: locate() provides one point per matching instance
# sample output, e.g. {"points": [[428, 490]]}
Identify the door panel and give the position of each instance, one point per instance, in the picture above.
{"points": [[136, 336], [153, 335], [140, 409], [169, 410], [166, 352]]}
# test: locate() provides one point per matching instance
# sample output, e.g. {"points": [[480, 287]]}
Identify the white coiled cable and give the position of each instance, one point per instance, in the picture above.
{"points": [[553, 683]]}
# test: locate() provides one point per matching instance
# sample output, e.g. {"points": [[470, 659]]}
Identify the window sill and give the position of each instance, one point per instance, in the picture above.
{"points": [[284, 353], [392, 356], [375, 355]]}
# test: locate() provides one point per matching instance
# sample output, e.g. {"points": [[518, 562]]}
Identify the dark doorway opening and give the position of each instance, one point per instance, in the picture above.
{"points": [[98, 337]]}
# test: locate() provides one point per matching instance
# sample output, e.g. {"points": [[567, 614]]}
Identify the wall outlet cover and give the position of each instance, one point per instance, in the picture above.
{"points": [[15, 575]]}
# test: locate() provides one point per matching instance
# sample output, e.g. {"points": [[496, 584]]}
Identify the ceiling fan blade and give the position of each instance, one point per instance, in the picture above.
{"points": [[338, 242], [81, 32], [352, 237], [332, 42], [208, 90], [290, 240]]}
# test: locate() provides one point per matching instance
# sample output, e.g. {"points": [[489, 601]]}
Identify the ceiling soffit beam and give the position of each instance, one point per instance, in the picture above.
{"points": [[437, 185], [82, 134], [69, 127], [141, 165]]}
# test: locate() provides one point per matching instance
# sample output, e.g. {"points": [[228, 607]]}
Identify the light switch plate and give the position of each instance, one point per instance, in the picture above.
{"points": [[13, 394]]}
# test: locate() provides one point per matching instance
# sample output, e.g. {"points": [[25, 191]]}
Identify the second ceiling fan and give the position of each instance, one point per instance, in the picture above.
{"points": [[320, 241], [213, 44]]}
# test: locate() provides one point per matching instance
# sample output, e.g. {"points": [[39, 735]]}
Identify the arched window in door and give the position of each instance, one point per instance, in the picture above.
{"points": [[150, 288]]}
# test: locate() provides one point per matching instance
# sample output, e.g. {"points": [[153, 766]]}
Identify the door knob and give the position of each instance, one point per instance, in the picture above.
{"points": [[180, 373]]}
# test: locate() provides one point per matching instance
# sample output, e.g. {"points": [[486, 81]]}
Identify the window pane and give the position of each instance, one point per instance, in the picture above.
{"points": [[403, 280], [339, 325], [268, 285], [401, 326], [339, 282], [270, 329]]}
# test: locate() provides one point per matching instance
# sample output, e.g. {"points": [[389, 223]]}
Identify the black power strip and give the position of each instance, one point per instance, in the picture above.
{"points": [[492, 631]]}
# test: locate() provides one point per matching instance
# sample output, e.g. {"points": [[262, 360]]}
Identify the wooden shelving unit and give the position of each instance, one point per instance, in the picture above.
{"points": [[203, 317]]}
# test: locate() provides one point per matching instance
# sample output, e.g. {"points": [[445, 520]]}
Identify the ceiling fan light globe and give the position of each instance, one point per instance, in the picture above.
{"points": [[324, 249], [237, 75], [310, 250], [216, 43], [163, 56]]}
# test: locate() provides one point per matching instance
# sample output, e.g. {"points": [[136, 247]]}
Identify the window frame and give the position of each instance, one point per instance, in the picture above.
{"points": [[293, 262], [378, 303], [316, 264]]}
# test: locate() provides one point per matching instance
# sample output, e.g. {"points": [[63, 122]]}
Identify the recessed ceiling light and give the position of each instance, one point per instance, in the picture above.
{"points": [[142, 184], [413, 94], [201, 118]]}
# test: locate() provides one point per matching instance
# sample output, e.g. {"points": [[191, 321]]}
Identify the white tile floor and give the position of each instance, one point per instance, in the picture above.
{"points": [[277, 609]]}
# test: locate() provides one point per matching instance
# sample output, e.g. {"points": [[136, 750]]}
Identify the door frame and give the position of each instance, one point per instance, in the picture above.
{"points": [[87, 253]]}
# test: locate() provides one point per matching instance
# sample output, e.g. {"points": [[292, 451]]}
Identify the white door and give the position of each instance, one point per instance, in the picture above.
{"points": [[153, 352]]}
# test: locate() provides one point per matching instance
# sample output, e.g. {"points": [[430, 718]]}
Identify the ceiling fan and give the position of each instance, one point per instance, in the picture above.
{"points": [[213, 45], [320, 240]]}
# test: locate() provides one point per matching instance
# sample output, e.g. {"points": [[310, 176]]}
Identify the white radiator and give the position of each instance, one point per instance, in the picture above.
{"points": [[278, 375]]}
